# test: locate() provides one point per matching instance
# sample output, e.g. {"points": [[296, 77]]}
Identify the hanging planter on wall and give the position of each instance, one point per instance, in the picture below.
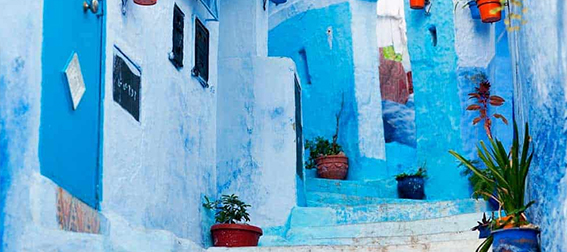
{"points": [[417, 4], [278, 1], [145, 2], [475, 12], [490, 10]]}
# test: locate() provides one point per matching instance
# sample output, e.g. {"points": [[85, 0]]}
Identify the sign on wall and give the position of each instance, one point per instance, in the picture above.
{"points": [[75, 80], [126, 83]]}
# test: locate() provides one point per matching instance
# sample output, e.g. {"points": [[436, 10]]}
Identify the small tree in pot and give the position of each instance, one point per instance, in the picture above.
{"points": [[328, 157], [231, 229], [412, 186]]}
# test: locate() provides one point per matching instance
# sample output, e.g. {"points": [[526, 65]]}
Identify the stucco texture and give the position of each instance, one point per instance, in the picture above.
{"points": [[431, 44], [538, 50]]}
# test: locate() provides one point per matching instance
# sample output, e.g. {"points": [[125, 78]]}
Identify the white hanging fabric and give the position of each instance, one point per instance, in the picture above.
{"points": [[391, 28]]}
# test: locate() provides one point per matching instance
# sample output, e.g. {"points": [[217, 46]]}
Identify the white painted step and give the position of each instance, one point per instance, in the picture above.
{"points": [[450, 224], [390, 210], [449, 246]]}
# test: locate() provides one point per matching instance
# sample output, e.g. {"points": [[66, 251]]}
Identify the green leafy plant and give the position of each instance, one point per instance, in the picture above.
{"points": [[421, 173], [229, 209], [507, 172], [321, 147], [478, 184]]}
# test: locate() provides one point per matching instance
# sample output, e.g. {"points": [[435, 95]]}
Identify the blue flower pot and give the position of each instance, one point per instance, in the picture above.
{"points": [[278, 1], [412, 187], [475, 12], [516, 240], [484, 232]]}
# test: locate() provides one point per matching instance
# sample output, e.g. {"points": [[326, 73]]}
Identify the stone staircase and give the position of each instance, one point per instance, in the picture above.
{"points": [[367, 216]]}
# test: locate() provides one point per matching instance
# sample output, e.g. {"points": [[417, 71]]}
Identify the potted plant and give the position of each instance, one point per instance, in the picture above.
{"points": [[145, 2], [412, 186], [328, 156], [231, 229], [490, 10], [508, 172], [418, 4], [475, 13], [483, 227]]}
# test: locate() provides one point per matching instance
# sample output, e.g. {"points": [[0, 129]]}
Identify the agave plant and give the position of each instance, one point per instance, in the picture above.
{"points": [[508, 173]]}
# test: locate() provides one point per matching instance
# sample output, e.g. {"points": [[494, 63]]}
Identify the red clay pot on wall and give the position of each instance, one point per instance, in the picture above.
{"points": [[235, 235], [490, 10], [332, 167], [417, 4], [145, 2]]}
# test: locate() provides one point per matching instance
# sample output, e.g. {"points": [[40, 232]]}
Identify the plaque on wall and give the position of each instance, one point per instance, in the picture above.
{"points": [[75, 80], [126, 83]]}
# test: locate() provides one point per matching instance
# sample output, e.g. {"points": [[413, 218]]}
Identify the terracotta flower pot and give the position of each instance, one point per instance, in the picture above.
{"points": [[417, 4], [332, 167], [490, 10], [145, 2], [235, 235], [501, 221]]}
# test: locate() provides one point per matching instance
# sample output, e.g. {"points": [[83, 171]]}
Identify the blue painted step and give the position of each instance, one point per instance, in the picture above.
{"points": [[451, 228], [322, 199], [377, 188], [386, 210]]}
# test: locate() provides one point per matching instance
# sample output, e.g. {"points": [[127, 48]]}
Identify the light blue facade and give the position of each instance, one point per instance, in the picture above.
{"points": [[320, 43], [330, 64], [431, 42], [238, 135], [538, 51]]}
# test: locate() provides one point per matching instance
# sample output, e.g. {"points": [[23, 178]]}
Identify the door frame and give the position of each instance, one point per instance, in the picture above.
{"points": [[102, 73]]}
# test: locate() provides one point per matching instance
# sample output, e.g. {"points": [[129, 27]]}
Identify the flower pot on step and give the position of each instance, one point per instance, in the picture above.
{"points": [[235, 235], [332, 167], [516, 239], [145, 2], [490, 10], [411, 187], [417, 4]]}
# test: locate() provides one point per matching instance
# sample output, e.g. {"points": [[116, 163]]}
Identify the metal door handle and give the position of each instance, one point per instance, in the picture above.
{"points": [[93, 6]]}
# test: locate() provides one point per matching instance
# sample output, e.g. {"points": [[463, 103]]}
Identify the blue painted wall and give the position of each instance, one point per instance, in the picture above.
{"points": [[437, 105], [326, 68], [539, 51], [4, 173], [500, 73]]}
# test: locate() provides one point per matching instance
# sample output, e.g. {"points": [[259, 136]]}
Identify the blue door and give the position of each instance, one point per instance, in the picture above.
{"points": [[70, 138]]}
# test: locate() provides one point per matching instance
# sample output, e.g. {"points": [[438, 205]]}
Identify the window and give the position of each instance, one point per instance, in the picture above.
{"points": [[176, 55], [201, 69]]}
